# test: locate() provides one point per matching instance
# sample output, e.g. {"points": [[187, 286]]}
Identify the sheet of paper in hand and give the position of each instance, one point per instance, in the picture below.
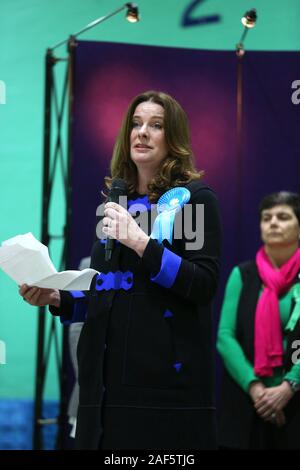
{"points": [[27, 261]]}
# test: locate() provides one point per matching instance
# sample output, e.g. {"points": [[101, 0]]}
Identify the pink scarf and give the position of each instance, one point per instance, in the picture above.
{"points": [[268, 343]]}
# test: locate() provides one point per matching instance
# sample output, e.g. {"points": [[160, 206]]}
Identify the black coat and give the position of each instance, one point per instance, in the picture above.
{"points": [[145, 355]]}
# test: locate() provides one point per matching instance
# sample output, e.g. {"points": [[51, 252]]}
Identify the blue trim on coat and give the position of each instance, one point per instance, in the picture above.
{"points": [[77, 294], [170, 265], [168, 314], [177, 366], [115, 281]]}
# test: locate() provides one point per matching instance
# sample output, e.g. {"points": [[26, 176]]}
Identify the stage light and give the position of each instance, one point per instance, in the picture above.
{"points": [[249, 19], [132, 14]]}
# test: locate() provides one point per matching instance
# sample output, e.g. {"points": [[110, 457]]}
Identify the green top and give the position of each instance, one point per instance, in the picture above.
{"points": [[235, 361]]}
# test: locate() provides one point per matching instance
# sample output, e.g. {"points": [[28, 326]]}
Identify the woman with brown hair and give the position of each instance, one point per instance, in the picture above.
{"points": [[145, 352]]}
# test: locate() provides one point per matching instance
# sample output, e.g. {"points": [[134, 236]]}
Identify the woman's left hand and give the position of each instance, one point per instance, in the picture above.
{"points": [[120, 225], [273, 401]]}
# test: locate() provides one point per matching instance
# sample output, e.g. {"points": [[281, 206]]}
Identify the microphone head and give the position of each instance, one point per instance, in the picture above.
{"points": [[119, 186]]}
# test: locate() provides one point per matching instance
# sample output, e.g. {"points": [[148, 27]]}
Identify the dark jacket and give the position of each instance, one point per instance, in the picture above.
{"points": [[146, 357]]}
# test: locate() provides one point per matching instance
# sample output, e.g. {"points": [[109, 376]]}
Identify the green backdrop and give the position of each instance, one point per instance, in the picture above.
{"points": [[27, 28]]}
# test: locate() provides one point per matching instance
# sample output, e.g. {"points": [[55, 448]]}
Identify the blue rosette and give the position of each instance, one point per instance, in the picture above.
{"points": [[168, 205]]}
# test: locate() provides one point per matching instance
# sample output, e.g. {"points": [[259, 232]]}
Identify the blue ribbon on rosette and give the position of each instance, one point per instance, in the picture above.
{"points": [[168, 205]]}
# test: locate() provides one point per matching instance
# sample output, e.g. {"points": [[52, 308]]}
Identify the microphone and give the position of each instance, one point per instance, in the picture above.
{"points": [[118, 188]]}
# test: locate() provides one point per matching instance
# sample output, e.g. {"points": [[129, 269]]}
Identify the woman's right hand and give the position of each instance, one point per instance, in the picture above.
{"points": [[256, 390], [39, 297]]}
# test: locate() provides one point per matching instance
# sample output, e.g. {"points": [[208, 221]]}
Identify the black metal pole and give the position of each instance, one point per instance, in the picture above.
{"points": [[62, 439], [39, 375], [239, 144], [71, 48], [249, 21]]}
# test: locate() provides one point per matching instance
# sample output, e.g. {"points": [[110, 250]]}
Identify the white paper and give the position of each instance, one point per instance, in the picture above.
{"points": [[27, 261]]}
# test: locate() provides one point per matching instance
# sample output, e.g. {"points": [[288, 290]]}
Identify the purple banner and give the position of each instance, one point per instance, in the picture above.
{"points": [[109, 75]]}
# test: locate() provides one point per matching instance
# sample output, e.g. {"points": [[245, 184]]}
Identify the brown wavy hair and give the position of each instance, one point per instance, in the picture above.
{"points": [[176, 169]]}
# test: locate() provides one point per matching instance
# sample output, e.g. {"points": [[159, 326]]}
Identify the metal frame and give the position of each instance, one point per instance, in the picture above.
{"points": [[57, 163]]}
